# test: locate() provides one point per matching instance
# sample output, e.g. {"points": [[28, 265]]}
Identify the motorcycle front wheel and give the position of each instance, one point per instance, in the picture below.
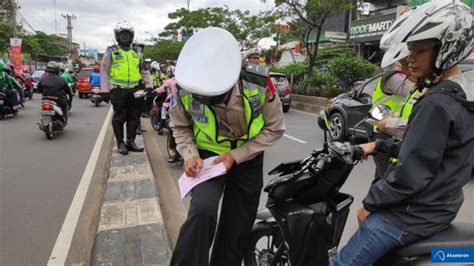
{"points": [[155, 120], [266, 245]]}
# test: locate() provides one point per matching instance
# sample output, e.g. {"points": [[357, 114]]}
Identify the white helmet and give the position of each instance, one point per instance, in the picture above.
{"points": [[209, 63], [123, 26], [155, 65], [449, 22]]}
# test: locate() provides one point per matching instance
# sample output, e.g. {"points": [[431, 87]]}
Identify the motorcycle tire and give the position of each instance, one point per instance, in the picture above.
{"points": [[49, 131], [97, 104], [170, 146], [155, 121], [263, 245]]}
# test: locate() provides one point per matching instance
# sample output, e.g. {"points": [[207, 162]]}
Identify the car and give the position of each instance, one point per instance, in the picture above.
{"points": [[284, 89], [348, 109], [37, 76], [83, 85]]}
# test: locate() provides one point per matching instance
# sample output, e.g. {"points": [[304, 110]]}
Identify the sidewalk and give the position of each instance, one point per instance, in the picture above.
{"points": [[131, 229]]}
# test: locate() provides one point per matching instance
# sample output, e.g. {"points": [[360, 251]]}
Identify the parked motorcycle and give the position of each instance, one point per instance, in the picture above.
{"points": [[6, 107], [52, 117], [306, 214], [96, 97]]}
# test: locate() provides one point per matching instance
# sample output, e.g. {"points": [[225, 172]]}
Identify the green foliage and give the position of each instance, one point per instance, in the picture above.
{"points": [[245, 27], [296, 69], [318, 84], [330, 52], [351, 69], [164, 50]]}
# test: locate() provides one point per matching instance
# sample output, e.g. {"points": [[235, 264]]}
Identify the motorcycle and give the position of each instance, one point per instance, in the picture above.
{"points": [[95, 97], [52, 117], [306, 214], [6, 107]]}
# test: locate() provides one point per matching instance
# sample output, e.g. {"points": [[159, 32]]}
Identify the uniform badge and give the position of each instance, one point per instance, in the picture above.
{"points": [[197, 111], [255, 105]]}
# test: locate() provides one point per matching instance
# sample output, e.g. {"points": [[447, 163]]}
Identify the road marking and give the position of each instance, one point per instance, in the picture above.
{"points": [[303, 112], [63, 242], [295, 139]]}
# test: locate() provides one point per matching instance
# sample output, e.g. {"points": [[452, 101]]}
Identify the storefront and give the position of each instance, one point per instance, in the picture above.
{"points": [[365, 35]]}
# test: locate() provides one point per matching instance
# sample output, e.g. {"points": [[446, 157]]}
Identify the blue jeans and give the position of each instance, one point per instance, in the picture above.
{"points": [[374, 238]]}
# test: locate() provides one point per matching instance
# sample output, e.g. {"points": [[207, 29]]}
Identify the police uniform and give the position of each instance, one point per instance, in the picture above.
{"points": [[121, 72], [248, 122]]}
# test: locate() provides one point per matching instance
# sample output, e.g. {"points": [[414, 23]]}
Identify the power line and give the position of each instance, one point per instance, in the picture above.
{"points": [[26, 22]]}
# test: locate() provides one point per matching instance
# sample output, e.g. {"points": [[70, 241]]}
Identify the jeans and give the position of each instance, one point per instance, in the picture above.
{"points": [[375, 237]]}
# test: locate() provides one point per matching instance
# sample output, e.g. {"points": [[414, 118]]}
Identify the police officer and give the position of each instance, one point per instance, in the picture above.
{"points": [[253, 57], [224, 110], [121, 71]]}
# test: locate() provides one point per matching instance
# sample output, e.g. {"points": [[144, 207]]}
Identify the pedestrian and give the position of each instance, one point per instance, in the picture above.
{"points": [[122, 69], [226, 110], [422, 193]]}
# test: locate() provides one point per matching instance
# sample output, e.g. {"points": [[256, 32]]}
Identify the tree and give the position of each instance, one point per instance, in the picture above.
{"points": [[349, 69], [164, 50], [246, 28], [314, 13]]}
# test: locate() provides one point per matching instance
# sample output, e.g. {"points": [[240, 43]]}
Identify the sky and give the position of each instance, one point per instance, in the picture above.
{"points": [[95, 19]]}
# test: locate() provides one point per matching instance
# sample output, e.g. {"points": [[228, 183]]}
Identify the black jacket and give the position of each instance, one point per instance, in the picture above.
{"points": [[54, 85], [422, 193]]}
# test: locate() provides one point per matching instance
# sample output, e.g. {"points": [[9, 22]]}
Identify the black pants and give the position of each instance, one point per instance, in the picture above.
{"points": [[241, 187], [381, 159], [125, 110]]}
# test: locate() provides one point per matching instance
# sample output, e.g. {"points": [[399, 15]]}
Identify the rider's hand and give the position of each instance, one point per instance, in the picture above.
{"points": [[192, 166], [226, 158], [368, 148], [362, 214], [382, 125]]}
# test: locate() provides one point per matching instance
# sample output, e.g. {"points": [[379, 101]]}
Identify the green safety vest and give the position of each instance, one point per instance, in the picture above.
{"points": [[125, 68], [65, 75], [205, 126], [380, 97], [405, 111]]}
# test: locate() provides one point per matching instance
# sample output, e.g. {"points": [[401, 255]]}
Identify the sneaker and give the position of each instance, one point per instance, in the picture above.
{"points": [[122, 148], [131, 146]]}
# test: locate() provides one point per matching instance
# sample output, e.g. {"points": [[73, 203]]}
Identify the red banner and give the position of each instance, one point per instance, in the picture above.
{"points": [[15, 54]]}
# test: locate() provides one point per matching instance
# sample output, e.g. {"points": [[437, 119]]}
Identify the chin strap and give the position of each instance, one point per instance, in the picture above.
{"points": [[428, 82]]}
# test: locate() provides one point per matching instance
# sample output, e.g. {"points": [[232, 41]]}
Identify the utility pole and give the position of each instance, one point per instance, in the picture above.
{"points": [[55, 18], [14, 17], [188, 3], [69, 18]]}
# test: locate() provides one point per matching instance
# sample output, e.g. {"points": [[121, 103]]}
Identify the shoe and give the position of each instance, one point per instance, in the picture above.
{"points": [[131, 146], [139, 132], [141, 129], [122, 148], [175, 159], [160, 131]]}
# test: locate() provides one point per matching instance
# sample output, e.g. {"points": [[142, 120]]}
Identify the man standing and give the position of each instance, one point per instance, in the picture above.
{"points": [[223, 110], [121, 71]]}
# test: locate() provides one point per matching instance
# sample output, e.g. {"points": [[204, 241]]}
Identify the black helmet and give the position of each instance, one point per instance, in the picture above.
{"points": [[52, 67]]}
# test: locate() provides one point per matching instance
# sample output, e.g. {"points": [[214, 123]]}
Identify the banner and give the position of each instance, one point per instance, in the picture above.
{"points": [[15, 54]]}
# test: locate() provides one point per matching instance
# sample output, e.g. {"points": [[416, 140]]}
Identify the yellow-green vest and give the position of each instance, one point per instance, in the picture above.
{"points": [[380, 97], [205, 126], [125, 68]]}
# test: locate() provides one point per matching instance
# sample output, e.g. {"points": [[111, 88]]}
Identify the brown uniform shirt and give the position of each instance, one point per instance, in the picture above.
{"points": [[232, 124]]}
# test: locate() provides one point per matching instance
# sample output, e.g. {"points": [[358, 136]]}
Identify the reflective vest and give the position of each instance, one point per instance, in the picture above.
{"points": [[125, 68], [380, 97], [205, 126]]}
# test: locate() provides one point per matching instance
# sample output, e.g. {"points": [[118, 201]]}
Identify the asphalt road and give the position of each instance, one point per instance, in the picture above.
{"points": [[38, 178], [301, 137]]}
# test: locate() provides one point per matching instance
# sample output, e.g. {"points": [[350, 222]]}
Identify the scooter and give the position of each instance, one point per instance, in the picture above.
{"points": [[6, 107], [95, 97], [306, 213], [52, 117]]}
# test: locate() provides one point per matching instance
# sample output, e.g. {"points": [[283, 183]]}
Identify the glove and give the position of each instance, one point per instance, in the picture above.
{"points": [[149, 91]]}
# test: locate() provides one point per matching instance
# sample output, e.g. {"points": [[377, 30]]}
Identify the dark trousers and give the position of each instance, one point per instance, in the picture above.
{"points": [[125, 109], [241, 187], [381, 159]]}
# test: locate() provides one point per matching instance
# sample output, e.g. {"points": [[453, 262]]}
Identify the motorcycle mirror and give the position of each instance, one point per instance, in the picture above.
{"points": [[379, 112]]}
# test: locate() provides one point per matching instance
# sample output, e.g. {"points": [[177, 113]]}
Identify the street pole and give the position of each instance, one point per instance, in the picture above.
{"points": [[14, 17], [55, 18], [69, 18]]}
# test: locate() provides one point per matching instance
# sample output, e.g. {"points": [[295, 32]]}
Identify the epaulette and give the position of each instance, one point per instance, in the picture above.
{"points": [[113, 48]]}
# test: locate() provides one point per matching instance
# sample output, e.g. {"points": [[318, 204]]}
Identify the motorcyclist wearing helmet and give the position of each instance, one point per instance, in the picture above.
{"points": [[6, 86], [226, 110], [148, 101], [122, 69], [422, 193], [94, 76], [9, 69], [55, 85]]}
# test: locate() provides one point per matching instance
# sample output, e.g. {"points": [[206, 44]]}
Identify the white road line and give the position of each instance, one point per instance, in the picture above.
{"points": [[63, 242], [303, 112], [295, 139]]}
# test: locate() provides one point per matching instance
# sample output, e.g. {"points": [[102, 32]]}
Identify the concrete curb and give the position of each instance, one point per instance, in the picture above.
{"points": [[311, 104], [131, 230]]}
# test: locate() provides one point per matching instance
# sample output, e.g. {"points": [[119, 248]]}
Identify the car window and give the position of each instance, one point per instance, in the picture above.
{"points": [[84, 73], [369, 87], [280, 81], [38, 73]]}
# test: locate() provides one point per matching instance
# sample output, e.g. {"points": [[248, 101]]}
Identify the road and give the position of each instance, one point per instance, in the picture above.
{"points": [[38, 178], [301, 137]]}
